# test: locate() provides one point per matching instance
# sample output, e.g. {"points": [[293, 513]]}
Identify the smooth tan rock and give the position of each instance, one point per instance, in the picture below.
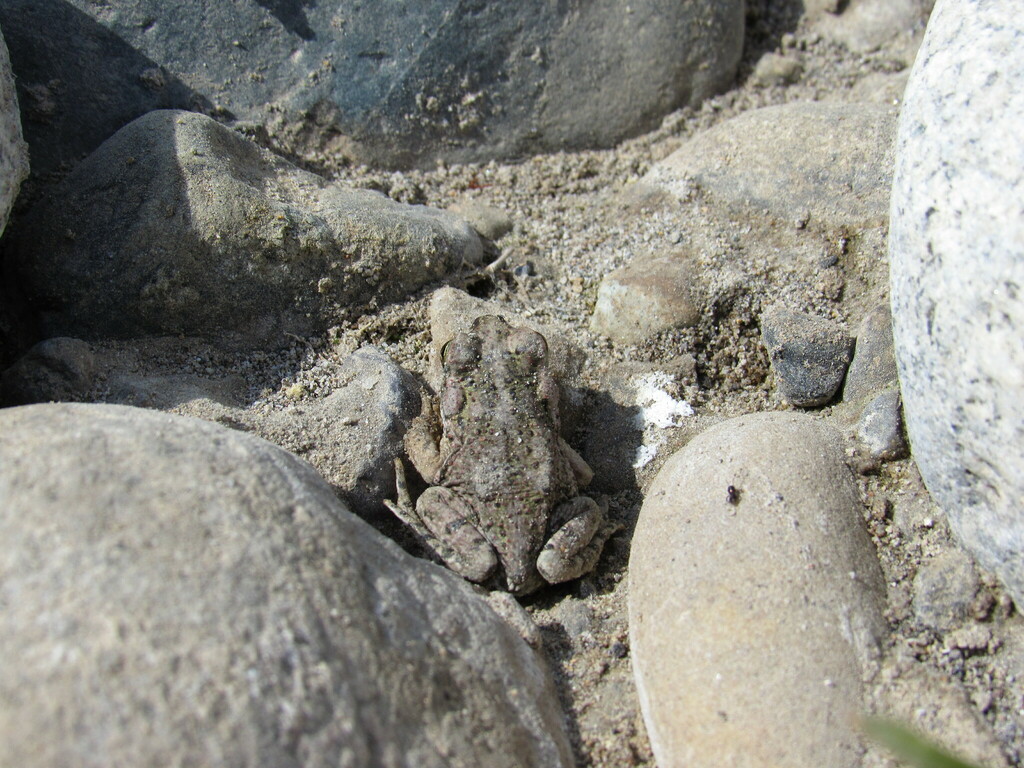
{"points": [[754, 621], [646, 297]]}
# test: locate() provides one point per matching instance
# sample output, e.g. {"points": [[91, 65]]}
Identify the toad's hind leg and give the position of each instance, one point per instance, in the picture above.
{"points": [[443, 522], [576, 545]]}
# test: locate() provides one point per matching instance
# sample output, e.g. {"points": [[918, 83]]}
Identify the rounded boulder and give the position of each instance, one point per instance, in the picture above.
{"points": [[755, 599], [176, 593]]}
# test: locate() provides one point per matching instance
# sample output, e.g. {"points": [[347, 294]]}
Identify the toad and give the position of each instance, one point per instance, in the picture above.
{"points": [[504, 506]]}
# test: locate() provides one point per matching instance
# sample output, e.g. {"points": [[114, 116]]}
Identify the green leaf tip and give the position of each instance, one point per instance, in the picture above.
{"points": [[908, 746]]}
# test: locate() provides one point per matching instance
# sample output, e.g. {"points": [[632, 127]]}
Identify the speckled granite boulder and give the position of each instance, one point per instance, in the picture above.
{"points": [[13, 150], [391, 84], [176, 593], [957, 274]]}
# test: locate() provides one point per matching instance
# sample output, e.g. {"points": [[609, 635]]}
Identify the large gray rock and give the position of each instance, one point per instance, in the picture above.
{"points": [[957, 275], [177, 225], [176, 593], [394, 84], [829, 163], [754, 612], [13, 149]]}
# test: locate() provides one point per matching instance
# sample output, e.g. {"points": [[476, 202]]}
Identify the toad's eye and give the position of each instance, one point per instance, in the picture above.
{"points": [[528, 346], [461, 353]]}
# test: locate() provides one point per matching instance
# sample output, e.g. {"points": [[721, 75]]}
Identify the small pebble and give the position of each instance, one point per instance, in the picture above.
{"points": [[880, 429], [808, 355]]}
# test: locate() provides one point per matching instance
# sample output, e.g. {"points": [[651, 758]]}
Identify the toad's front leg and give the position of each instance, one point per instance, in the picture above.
{"points": [[581, 530]]}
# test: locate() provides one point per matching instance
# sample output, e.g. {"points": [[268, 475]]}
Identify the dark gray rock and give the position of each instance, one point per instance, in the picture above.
{"points": [[13, 150], [79, 81], [179, 226], [395, 85], [880, 429], [176, 593], [56, 369], [956, 250], [809, 355], [873, 367]]}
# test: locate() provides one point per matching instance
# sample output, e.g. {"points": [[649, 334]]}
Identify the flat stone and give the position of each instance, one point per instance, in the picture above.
{"points": [[351, 436], [177, 593], [647, 296], [754, 614], [866, 25], [179, 226], [386, 86], [944, 589], [873, 367], [829, 162], [488, 221], [937, 706], [809, 355], [956, 250]]}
